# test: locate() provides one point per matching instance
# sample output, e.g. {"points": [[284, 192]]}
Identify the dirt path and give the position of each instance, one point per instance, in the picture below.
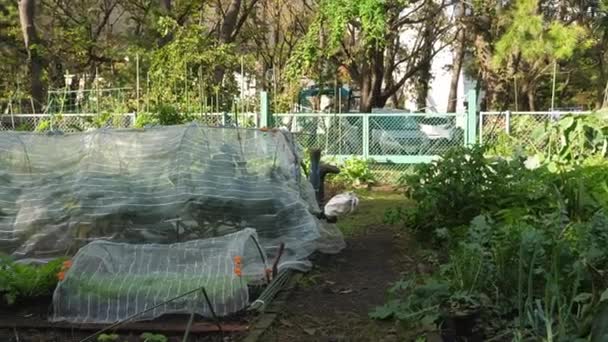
{"points": [[332, 302]]}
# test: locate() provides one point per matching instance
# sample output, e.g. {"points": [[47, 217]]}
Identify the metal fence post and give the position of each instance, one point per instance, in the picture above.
{"points": [[365, 135], [480, 128], [471, 133], [508, 123], [264, 110]]}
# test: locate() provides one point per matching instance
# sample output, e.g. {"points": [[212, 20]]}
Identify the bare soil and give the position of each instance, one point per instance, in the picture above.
{"points": [[333, 301]]}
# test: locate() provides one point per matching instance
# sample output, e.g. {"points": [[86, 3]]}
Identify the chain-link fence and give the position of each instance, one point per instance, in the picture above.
{"points": [[86, 121], [496, 127], [245, 120], [102, 100], [392, 141], [64, 122]]}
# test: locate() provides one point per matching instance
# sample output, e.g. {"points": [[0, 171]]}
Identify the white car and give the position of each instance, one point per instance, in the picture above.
{"points": [[407, 135]]}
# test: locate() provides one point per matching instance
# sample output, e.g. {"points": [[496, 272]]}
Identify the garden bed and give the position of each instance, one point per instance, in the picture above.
{"points": [[29, 320], [519, 236]]}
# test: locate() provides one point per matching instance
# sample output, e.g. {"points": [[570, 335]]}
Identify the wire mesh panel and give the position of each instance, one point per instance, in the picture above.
{"points": [[335, 134], [523, 128], [392, 141], [413, 135], [245, 120], [492, 126], [64, 122], [109, 282]]}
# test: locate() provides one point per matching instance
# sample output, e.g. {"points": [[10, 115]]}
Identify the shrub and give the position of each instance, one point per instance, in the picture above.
{"points": [[356, 172], [20, 281], [529, 242], [463, 184]]}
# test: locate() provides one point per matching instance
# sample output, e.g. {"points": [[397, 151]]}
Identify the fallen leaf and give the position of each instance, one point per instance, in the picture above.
{"points": [[286, 323], [310, 331]]}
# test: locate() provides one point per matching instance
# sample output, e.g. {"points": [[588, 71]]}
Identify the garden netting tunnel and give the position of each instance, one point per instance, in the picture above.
{"points": [[189, 198]]}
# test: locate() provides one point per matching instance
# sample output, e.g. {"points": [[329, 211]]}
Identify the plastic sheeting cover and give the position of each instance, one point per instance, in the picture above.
{"points": [[159, 185], [109, 282]]}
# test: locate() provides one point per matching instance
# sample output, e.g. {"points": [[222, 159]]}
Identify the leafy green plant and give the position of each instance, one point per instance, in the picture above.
{"points": [[108, 338], [145, 119], [150, 337], [43, 126], [524, 243], [20, 281], [559, 144], [463, 184], [107, 287], [355, 172], [413, 302], [571, 140]]}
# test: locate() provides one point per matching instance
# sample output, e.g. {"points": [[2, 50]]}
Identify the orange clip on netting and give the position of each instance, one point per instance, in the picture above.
{"points": [[64, 268], [237, 266]]}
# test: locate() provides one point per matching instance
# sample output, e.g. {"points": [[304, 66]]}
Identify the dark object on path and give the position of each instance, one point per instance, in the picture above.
{"points": [[318, 172], [460, 327], [326, 169]]}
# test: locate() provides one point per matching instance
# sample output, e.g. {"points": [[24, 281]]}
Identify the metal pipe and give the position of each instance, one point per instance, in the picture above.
{"points": [[315, 173]]}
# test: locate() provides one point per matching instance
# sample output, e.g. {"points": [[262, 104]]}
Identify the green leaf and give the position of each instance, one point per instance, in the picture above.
{"points": [[582, 297], [604, 296], [566, 123], [552, 167], [383, 312], [107, 338]]}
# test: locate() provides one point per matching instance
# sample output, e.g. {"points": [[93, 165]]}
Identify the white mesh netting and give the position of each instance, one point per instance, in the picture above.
{"points": [[158, 186], [110, 282]]}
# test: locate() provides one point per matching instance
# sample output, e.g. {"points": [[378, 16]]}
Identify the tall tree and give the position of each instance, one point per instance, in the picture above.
{"points": [[27, 18], [532, 45], [458, 57], [271, 38], [230, 26], [423, 79], [363, 37]]}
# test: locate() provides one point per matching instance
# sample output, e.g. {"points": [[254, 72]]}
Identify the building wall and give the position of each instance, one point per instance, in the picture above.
{"points": [[439, 92], [441, 71]]}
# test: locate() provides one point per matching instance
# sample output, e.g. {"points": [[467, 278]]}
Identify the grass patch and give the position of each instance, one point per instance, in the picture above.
{"points": [[370, 213]]}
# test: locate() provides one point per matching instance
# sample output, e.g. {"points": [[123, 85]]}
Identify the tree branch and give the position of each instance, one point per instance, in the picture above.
{"points": [[243, 19]]}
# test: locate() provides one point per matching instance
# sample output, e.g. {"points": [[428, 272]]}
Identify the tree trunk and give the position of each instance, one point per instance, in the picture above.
{"points": [[165, 6], [372, 81], [366, 103], [456, 71], [27, 14], [229, 23], [226, 34], [457, 62], [605, 99], [531, 99], [230, 27], [423, 87], [165, 9], [601, 93], [424, 74]]}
